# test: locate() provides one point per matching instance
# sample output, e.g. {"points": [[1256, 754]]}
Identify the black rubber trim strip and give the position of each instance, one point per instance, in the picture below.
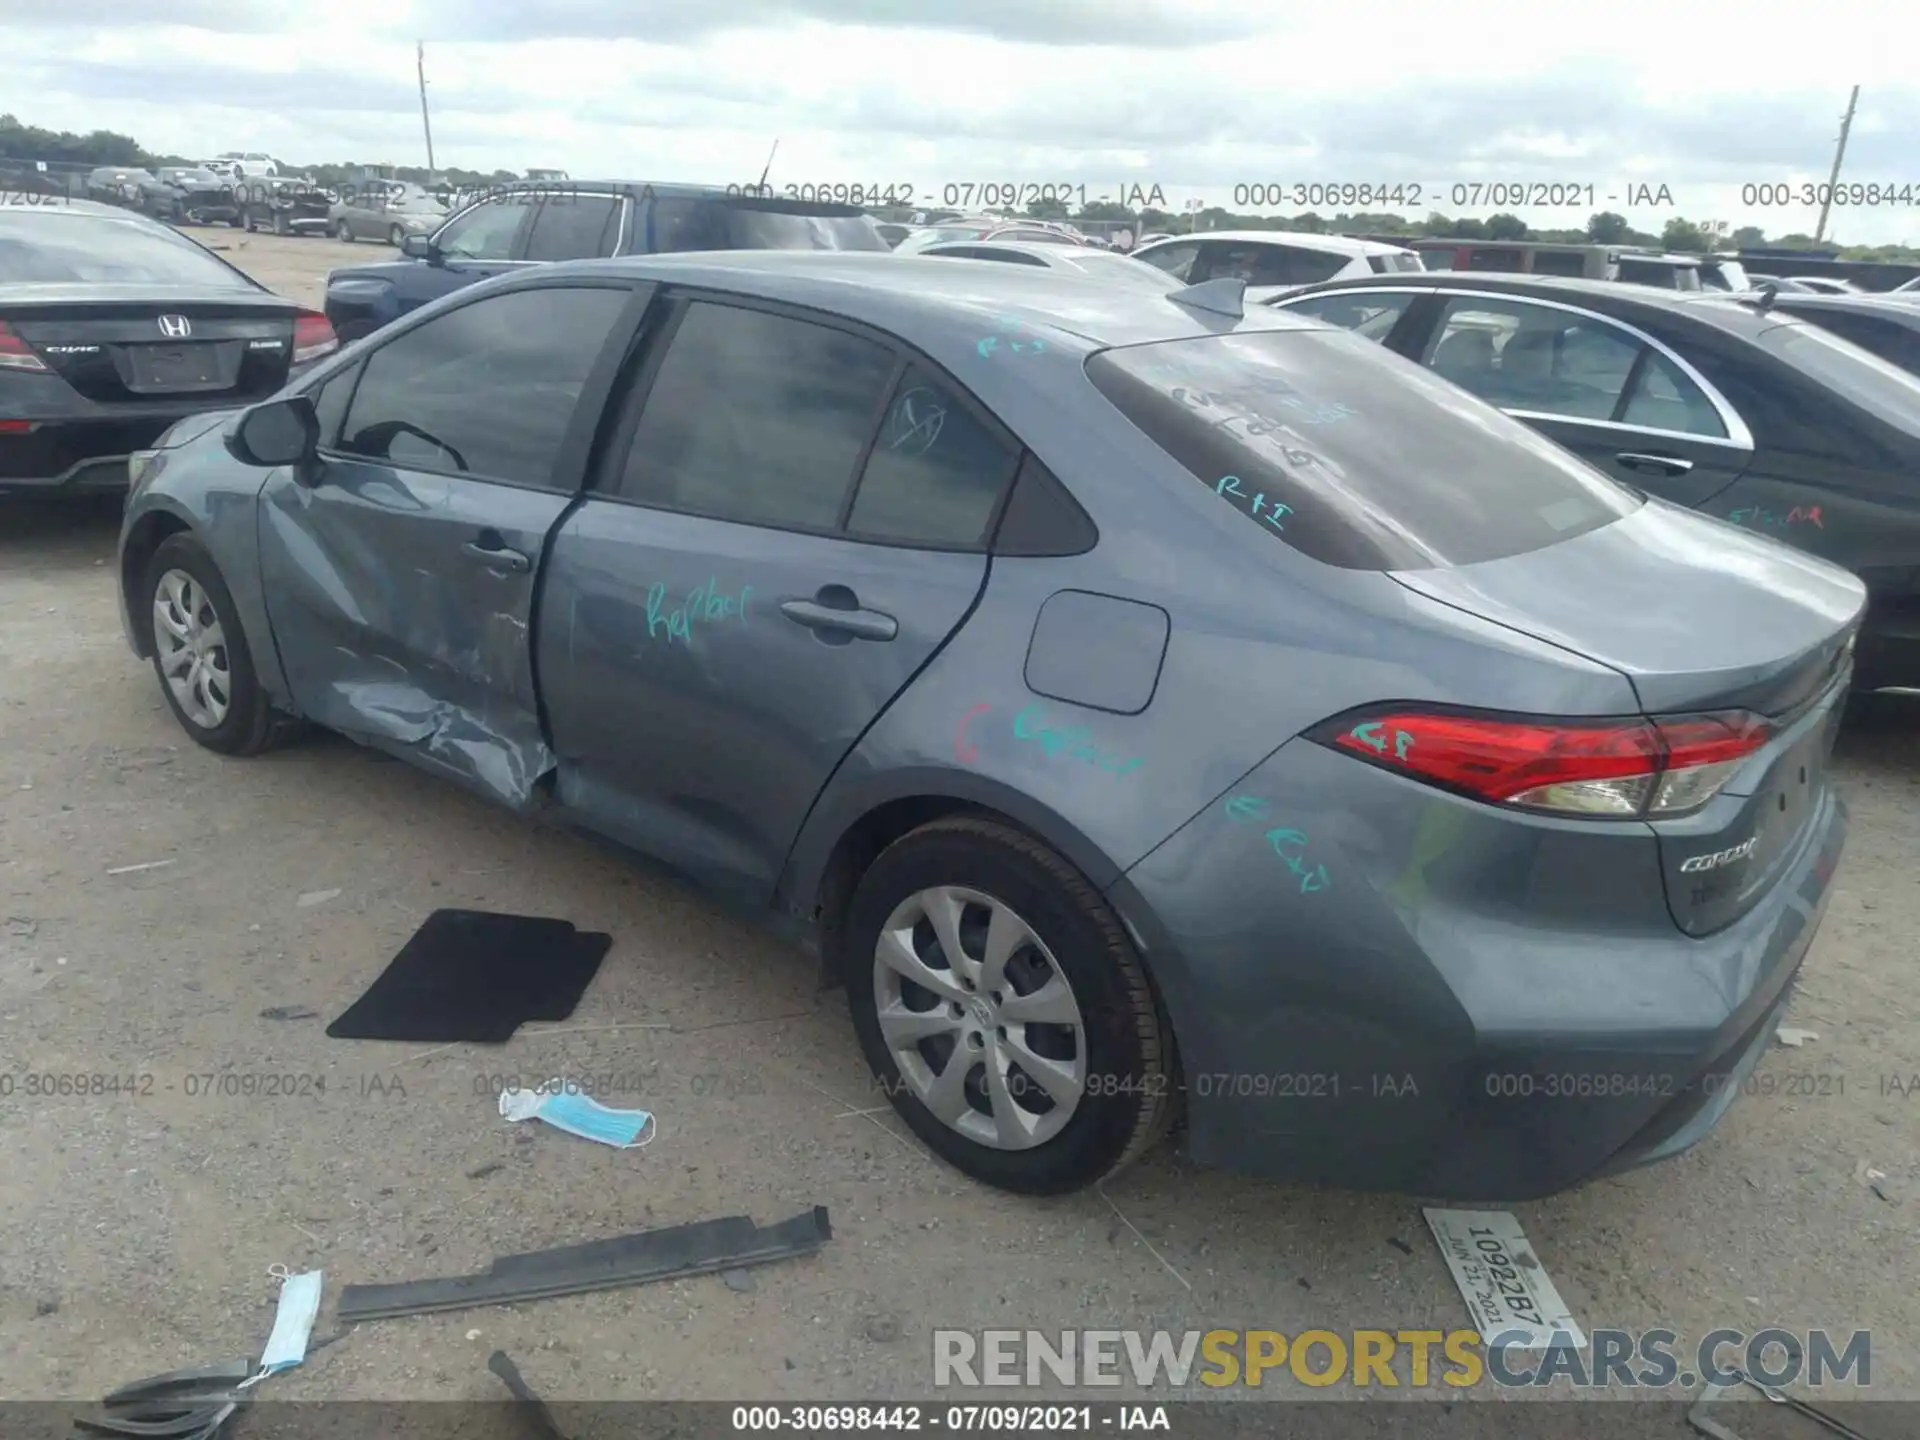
{"points": [[204, 1378], [696, 1249], [194, 1425]]}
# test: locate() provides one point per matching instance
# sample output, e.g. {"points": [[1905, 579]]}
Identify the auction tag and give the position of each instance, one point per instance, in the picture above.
{"points": [[1503, 1282]]}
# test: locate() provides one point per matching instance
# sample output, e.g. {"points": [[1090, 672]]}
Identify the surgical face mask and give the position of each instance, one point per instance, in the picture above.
{"points": [[564, 1109], [292, 1323]]}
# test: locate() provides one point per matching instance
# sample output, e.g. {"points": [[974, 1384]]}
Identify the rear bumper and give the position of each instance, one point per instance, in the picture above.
{"points": [[77, 456], [1468, 1009]]}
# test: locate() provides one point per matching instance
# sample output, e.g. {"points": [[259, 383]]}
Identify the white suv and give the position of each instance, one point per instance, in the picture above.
{"points": [[1271, 261]]}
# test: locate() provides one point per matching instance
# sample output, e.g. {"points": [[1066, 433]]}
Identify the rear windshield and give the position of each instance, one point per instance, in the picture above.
{"points": [[1390, 264], [763, 225], [1857, 376], [49, 248], [1351, 455], [1654, 272]]}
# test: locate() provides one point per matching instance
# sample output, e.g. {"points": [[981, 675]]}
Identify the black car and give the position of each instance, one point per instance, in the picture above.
{"points": [[536, 222], [131, 188], [1723, 405], [113, 327], [284, 204], [200, 197], [1887, 325]]}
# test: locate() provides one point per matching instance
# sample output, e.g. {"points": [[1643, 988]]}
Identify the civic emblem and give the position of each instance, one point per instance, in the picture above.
{"points": [[175, 327]]}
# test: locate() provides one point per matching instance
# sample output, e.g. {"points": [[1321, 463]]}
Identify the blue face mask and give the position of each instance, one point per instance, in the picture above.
{"points": [[292, 1322], [564, 1109]]}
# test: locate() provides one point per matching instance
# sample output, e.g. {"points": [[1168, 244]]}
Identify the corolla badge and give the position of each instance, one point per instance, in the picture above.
{"points": [[1719, 858]]}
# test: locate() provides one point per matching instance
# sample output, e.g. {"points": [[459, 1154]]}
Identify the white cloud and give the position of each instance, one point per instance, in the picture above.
{"points": [[1197, 97]]}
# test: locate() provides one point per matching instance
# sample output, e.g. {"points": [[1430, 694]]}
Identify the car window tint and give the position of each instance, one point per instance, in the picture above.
{"points": [[330, 404], [1559, 262], [1320, 439], [1369, 316], [487, 390], [1664, 398], [485, 232], [757, 418], [573, 227], [1527, 357], [1268, 264], [1176, 260], [676, 224], [1502, 260], [935, 473]]}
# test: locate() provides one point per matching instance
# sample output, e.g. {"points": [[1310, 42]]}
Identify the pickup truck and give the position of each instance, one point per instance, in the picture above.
{"points": [[538, 222]]}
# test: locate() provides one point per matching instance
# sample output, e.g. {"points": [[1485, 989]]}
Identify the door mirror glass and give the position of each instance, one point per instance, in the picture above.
{"points": [[417, 247], [281, 432]]}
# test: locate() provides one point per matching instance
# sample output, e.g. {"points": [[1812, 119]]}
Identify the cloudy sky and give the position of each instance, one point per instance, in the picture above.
{"points": [[1196, 96]]}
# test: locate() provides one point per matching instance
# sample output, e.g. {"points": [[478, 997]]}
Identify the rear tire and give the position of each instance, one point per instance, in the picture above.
{"points": [[1103, 1054], [200, 654]]}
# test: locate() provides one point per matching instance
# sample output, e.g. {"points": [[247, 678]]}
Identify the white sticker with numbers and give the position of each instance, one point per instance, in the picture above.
{"points": [[1506, 1288]]}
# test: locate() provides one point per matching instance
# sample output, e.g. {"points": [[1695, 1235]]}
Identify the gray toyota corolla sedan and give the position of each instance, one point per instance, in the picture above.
{"points": [[1142, 706]]}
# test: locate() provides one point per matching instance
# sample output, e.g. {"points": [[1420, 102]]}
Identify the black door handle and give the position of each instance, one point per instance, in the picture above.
{"points": [[491, 550], [835, 611], [1664, 464]]}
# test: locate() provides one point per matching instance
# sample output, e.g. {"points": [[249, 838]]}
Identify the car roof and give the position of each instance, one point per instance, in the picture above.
{"points": [[943, 308], [1299, 239], [1714, 307]]}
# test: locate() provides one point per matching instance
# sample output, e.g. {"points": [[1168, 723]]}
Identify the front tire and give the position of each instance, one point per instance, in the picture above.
{"points": [[344, 232], [396, 237], [1003, 1009], [200, 653]]}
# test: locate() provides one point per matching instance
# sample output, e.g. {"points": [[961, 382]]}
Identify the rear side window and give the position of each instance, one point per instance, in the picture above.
{"points": [[56, 249], [574, 227], [1502, 260], [1395, 264], [752, 224], [756, 418], [1559, 262], [1351, 455], [1369, 314], [1258, 264]]}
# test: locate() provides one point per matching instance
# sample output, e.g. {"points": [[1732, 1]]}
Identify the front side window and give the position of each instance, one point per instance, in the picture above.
{"points": [[1369, 315], [486, 232], [330, 404], [1348, 455], [935, 473], [487, 390], [574, 227], [756, 418]]}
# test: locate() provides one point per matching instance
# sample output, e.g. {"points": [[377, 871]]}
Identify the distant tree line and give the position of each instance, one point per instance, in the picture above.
{"points": [[65, 148]]}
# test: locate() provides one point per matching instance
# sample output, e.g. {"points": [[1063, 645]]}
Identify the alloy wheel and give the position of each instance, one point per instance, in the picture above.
{"points": [[979, 1018], [193, 649]]}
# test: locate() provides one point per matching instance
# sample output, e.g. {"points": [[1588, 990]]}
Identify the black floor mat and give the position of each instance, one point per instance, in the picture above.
{"points": [[468, 975]]}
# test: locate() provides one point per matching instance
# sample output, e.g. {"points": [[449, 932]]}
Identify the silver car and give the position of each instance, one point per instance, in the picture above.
{"points": [[385, 214]]}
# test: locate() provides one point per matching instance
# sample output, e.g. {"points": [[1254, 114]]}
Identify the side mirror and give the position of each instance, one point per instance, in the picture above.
{"points": [[418, 247], [283, 431]]}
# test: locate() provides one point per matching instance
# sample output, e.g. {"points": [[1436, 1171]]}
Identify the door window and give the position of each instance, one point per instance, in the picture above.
{"points": [[1567, 365], [757, 418], [1259, 264], [935, 473], [1370, 316], [574, 227], [487, 390], [1482, 258], [485, 232], [1559, 262]]}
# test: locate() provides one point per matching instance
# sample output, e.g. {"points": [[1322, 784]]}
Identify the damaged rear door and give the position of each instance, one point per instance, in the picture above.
{"points": [[401, 578]]}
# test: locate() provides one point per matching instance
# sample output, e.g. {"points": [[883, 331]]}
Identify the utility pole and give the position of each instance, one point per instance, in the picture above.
{"points": [[1839, 154], [420, 64]]}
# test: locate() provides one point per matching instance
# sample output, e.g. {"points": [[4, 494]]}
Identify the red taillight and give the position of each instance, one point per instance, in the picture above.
{"points": [[16, 354], [1617, 768], [15, 427], [312, 337]]}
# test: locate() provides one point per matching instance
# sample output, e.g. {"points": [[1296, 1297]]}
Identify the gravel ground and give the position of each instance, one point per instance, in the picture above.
{"points": [[140, 1227]]}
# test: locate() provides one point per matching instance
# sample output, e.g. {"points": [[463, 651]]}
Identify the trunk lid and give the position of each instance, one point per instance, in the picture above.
{"points": [[1699, 616], [1696, 613], [141, 347]]}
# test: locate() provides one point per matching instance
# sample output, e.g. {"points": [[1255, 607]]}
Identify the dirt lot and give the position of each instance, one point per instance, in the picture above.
{"points": [[140, 1227]]}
